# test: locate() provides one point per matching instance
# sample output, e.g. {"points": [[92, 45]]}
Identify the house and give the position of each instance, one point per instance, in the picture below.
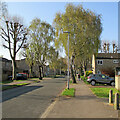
{"points": [[105, 63], [21, 67], [6, 68]]}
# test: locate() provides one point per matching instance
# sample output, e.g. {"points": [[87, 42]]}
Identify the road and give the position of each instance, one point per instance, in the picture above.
{"points": [[32, 100]]}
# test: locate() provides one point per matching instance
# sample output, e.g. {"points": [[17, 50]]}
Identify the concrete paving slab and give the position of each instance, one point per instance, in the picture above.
{"points": [[84, 105]]}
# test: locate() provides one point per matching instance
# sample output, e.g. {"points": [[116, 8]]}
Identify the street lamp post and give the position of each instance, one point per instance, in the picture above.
{"points": [[68, 58]]}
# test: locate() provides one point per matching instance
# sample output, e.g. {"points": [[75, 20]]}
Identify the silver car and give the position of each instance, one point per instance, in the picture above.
{"points": [[100, 78]]}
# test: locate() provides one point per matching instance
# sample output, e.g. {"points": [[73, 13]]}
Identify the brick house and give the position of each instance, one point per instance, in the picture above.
{"points": [[105, 63], [6, 68], [22, 67]]}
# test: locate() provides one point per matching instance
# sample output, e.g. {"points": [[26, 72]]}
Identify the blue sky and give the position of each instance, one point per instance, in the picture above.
{"points": [[46, 11]]}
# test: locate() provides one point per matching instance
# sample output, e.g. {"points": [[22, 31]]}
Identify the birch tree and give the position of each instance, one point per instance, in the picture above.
{"points": [[85, 29], [41, 34]]}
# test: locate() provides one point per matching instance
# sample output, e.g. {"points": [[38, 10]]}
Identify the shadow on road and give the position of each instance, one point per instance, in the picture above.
{"points": [[12, 93]]}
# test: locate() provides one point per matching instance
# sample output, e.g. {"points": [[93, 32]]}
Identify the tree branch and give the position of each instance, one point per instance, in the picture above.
{"points": [[4, 38], [21, 44], [19, 29], [4, 32], [9, 40], [5, 46]]}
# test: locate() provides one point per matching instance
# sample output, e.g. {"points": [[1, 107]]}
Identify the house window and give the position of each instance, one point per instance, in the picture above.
{"points": [[115, 61], [100, 62]]}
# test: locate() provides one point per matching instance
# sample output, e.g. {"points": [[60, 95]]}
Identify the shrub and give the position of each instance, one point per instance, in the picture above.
{"points": [[88, 73]]}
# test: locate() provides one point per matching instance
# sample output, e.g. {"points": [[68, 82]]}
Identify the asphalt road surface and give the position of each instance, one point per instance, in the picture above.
{"points": [[32, 100]]}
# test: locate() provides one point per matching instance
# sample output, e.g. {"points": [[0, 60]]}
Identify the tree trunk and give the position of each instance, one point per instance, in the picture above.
{"points": [[72, 70], [40, 76], [75, 70], [42, 71], [72, 74], [84, 68], [60, 70], [31, 71], [54, 72], [13, 69]]}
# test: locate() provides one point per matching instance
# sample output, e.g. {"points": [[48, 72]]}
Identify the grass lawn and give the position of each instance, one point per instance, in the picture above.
{"points": [[103, 92], [85, 79], [70, 82], [68, 92], [10, 81], [14, 86]]}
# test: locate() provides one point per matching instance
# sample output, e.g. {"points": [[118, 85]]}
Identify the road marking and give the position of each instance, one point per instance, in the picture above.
{"points": [[47, 111]]}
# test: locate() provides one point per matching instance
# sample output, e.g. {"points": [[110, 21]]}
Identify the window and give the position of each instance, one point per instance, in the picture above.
{"points": [[100, 62], [103, 76], [115, 61]]}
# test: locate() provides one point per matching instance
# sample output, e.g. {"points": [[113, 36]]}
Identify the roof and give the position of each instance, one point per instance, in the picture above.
{"points": [[5, 60], [108, 56]]}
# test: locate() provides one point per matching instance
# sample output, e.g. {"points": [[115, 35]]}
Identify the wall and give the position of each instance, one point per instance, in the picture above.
{"points": [[108, 66]]}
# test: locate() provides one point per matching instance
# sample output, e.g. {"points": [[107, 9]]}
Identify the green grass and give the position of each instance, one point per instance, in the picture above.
{"points": [[85, 80], [103, 92], [10, 81], [14, 86], [5, 82], [68, 92], [18, 80], [70, 82]]}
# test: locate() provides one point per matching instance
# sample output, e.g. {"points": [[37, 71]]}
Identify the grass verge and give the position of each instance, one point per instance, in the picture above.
{"points": [[103, 92], [68, 92], [13, 86], [10, 81], [84, 79]]}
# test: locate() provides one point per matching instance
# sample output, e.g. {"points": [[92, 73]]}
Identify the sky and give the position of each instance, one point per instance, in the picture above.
{"points": [[46, 12]]}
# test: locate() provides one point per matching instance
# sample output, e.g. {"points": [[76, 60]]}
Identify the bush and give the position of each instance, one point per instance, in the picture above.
{"points": [[88, 73]]}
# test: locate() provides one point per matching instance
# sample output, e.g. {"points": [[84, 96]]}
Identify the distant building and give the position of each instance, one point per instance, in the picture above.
{"points": [[6, 68], [105, 63], [21, 67]]}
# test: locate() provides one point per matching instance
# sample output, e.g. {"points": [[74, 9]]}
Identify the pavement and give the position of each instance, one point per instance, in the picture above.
{"points": [[84, 105]]}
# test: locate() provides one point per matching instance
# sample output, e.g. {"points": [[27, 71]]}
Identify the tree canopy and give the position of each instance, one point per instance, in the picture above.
{"points": [[85, 29], [41, 34]]}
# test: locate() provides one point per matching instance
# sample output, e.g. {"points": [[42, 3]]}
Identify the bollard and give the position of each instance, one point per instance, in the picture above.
{"points": [[116, 103], [110, 96]]}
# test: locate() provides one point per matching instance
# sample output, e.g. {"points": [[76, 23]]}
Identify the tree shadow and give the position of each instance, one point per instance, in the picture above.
{"points": [[15, 92]]}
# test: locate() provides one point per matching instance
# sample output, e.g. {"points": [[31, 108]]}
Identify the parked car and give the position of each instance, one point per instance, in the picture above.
{"points": [[19, 76], [100, 78], [9, 77]]}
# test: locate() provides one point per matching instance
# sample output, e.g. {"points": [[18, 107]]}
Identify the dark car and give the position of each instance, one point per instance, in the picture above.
{"points": [[100, 78], [19, 76]]}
